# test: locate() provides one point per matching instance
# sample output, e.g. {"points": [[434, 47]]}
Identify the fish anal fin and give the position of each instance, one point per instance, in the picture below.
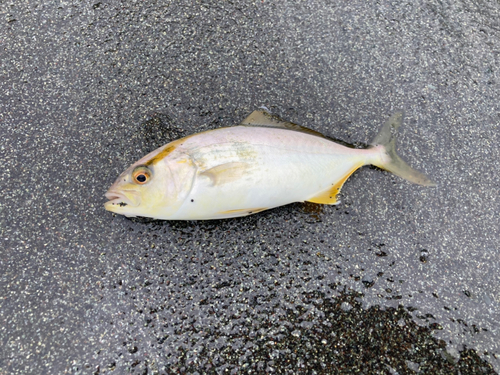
{"points": [[262, 118], [227, 172], [329, 196]]}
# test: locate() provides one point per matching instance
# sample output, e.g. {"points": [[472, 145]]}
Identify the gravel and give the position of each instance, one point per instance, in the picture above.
{"points": [[397, 279]]}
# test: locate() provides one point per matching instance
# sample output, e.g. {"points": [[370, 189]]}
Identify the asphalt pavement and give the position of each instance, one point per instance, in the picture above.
{"points": [[396, 279]]}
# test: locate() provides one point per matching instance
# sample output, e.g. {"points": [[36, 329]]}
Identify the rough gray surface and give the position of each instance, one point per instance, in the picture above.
{"points": [[397, 279]]}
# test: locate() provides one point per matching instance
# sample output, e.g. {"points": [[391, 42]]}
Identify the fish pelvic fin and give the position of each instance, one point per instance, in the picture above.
{"points": [[389, 159], [242, 211], [329, 196]]}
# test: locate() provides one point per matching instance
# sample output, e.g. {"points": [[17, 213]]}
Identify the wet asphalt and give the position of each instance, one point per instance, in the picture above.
{"points": [[397, 279]]}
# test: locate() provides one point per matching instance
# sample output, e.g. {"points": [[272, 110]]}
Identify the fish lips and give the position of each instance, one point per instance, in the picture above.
{"points": [[119, 199]]}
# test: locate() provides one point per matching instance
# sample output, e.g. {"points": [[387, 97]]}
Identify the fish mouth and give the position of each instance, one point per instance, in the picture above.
{"points": [[119, 199]]}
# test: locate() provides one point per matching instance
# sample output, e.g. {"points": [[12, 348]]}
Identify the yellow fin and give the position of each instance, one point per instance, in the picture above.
{"points": [[243, 211], [330, 196], [227, 172]]}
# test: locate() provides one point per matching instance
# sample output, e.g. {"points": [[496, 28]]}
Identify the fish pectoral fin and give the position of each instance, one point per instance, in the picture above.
{"points": [[329, 196], [262, 118], [227, 172]]}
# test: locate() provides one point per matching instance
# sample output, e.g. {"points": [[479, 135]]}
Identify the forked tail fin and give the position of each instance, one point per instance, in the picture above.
{"points": [[391, 161]]}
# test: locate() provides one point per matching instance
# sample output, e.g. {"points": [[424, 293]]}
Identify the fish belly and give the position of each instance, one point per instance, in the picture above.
{"points": [[252, 170]]}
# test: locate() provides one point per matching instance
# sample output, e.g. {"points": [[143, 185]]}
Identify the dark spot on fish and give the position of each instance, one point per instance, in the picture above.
{"points": [[192, 200], [249, 212], [122, 204]]}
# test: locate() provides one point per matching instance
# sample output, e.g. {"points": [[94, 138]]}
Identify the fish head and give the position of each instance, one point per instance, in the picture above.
{"points": [[155, 186], [139, 191]]}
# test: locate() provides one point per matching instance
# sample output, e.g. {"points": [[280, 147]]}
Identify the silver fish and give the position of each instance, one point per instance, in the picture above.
{"points": [[262, 163]]}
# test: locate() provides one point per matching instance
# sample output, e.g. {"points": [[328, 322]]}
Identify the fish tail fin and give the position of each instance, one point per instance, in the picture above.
{"points": [[389, 159]]}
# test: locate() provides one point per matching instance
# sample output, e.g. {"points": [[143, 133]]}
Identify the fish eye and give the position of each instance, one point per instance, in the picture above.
{"points": [[141, 175]]}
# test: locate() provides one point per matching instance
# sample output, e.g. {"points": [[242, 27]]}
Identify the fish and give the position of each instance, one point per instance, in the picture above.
{"points": [[262, 163]]}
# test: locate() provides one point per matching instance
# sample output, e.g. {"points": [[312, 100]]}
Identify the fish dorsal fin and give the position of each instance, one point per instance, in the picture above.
{"points": [[262, 118]]}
